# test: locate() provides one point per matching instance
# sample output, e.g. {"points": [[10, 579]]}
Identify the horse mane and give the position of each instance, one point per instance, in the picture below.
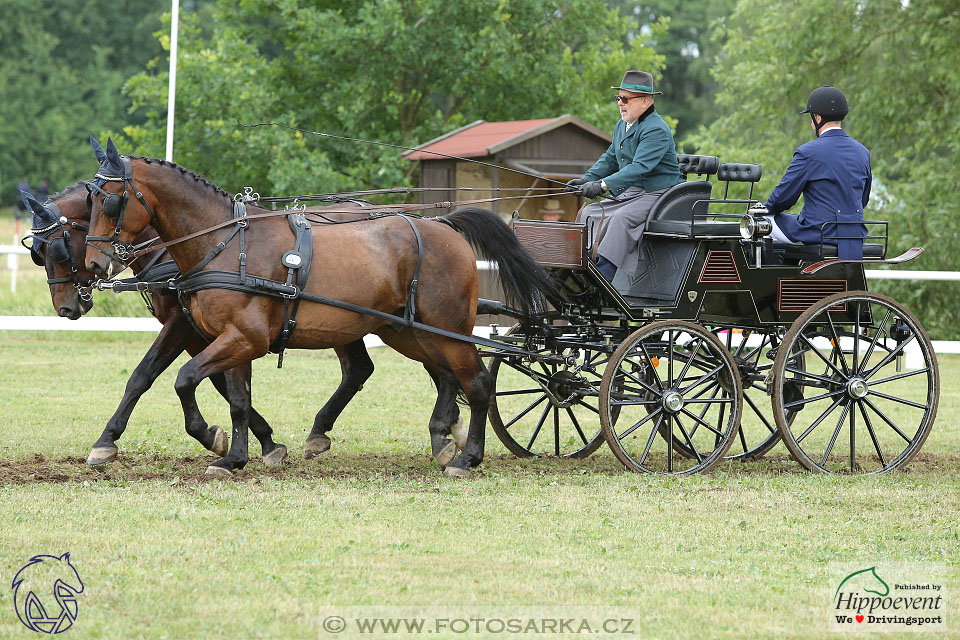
{"points": [[186, 172], [67, 191]]}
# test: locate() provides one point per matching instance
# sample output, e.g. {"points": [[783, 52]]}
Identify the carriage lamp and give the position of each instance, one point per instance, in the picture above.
{"points": [[754, 226]]}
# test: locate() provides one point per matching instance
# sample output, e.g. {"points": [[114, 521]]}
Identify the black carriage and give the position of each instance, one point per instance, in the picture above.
{"points": [[722, 344]]}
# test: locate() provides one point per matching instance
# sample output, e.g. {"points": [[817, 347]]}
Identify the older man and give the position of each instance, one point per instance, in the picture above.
{"points": [[639, 166]]}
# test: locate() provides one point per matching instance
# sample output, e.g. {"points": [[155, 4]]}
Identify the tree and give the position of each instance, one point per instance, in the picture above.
{"points": [[396, 71], [689, 53], [61, 79], [899, 66]]}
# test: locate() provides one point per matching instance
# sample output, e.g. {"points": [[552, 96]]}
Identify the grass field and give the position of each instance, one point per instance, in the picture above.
{"points": [[749, 550]]}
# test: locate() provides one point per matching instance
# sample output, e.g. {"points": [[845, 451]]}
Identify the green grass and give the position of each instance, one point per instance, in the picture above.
{"points": [[745, 551]]}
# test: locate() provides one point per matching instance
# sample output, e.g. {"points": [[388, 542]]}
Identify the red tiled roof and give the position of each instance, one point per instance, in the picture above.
{"points": [[475, 141]]}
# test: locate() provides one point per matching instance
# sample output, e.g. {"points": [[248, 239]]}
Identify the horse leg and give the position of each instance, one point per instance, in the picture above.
{"points": [[231, 350], [273, 453], [169, 344], [478, 387], [445, 415], [355, 368]]}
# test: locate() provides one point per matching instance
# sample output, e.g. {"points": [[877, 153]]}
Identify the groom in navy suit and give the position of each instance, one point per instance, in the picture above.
{"points": [[833, 174]]}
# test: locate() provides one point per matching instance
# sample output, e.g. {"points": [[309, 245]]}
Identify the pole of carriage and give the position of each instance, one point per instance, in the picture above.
{"points": [[172, 89]]}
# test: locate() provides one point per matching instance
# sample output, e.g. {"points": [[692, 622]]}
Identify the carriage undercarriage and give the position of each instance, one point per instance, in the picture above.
{"points": [[719, 347]]}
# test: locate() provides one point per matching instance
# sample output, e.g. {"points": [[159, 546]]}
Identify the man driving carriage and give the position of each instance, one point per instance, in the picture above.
{"points": [[833, 174], [640, 164]]}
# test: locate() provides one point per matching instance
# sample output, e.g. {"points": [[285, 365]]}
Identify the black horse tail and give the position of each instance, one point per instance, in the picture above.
{"points": [[524, 282]]}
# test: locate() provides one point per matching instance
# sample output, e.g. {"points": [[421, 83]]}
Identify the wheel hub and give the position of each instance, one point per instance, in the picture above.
{"points": [[672, 401], [565, 388], [857, 388]]}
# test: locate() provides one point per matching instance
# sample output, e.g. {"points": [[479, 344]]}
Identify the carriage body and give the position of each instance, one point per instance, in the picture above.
{"points": [[702, 288]]}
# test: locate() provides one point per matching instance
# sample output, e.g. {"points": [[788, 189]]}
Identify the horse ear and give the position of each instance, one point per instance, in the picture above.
{"points": [[112, 154], [97, 150], [30, 202]]}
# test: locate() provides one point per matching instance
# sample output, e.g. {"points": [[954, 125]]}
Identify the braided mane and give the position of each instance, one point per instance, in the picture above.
{"points": [[187, 172]]}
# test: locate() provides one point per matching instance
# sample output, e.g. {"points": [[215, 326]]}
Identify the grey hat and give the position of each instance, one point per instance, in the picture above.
{"points": [[638, 82]]}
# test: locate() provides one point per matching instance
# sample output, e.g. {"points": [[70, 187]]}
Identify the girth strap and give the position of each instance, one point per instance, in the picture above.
{"points": [[298, 263]]}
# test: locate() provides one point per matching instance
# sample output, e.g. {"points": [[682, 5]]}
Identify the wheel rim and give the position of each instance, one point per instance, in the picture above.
{"points": [[859, 413], [546, 409], [681, 404]]}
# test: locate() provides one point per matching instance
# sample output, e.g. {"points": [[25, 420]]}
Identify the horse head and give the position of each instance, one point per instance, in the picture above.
{"points": [[40, 586], [57, 243], [116, 218]]}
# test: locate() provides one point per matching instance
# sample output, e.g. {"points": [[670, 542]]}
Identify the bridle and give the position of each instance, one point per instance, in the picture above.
{"points": [[114, 207], [59, 249]]}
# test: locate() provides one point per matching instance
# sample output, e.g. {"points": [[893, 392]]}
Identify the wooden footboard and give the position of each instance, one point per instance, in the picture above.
{"points": [[554, 244]]}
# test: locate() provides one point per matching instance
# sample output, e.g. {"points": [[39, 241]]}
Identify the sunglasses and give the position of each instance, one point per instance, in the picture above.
{"points": [[625, 99]]}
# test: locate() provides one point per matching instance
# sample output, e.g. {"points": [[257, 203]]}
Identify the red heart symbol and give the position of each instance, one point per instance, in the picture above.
{"points": [[859, 618]]}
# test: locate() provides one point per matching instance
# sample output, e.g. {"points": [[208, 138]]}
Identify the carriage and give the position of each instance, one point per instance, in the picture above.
{"points": [[722, 344]]}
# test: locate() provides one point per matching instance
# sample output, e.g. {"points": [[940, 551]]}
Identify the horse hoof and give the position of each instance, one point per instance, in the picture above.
{"points": [[276, 457], [101, 455], [218, 472], [457, 472], [447, 454], [221, 443], [316, 446], [459, 433]]}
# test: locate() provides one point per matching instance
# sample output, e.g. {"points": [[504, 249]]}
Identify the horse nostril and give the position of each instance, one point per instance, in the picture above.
{"points": [[66, 312]]}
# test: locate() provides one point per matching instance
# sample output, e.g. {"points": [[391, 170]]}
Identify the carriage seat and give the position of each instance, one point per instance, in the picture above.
{"points": [[814, 252], [671, 214]]}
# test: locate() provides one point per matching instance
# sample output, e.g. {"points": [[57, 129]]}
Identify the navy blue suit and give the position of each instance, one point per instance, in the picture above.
{"points": [[833, 174]]}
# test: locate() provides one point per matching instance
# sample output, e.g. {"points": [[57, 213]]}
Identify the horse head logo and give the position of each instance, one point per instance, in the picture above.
{"points": [[45, 594], [866, 580]]}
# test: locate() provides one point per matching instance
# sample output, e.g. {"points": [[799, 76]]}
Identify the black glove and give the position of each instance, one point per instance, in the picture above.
{"points": [[574, 185], [592, 189]]}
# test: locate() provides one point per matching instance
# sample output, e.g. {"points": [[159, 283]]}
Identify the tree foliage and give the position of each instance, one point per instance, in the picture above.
{"points": [[64, 65], [899, 66], [396, 71], [689, 50]]}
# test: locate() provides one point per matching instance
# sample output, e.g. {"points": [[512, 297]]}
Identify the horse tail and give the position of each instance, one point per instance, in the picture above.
{"points": [[524, 282]]}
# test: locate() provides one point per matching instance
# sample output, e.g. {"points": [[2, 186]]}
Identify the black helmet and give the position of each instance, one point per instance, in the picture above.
{"points": [[828, 102]]}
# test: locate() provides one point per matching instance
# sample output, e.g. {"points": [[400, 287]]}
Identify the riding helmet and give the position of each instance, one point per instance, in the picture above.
{"points": [[828, 102]]}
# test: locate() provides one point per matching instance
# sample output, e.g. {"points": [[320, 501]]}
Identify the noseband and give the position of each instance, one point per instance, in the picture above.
{"points": [[59, 249], [115, 207]]}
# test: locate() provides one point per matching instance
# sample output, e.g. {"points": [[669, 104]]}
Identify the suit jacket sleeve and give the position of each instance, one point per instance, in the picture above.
{"points": [[651, 147], [603, 167], [786, 194], [866, 188]]}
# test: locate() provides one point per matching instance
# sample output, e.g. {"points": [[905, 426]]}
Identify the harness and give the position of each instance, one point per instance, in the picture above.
{"points": [[59, 249], [115, 207]]}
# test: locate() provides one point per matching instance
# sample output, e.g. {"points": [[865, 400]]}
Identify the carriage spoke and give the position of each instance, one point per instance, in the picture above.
{"points": [[576, 425], [836, 432], [656, 376], [556, 432], [689, 440], [760, 415], [887, 358], [518, 392], [640, 423], [536, 432], [671, 341], [807, 374], [856, 341], [806, 401], [640, 382], [828, 411], [877, 411], [899, 376], [815, 350], [706, 425], [835, 338], [653, 434], [853, 434], [525, 411], [873, 342], [670, 445], [707, 376], [873, 435], [909, 403], [691, 358]]}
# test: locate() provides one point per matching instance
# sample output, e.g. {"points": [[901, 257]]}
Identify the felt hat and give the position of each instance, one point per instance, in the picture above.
{"points": [[638, 82]]}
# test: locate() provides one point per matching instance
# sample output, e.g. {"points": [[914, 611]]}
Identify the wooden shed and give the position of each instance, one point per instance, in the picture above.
{"points": [[559, 148]]}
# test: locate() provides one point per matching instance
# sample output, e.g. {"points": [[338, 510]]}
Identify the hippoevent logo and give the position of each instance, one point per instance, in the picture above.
{"points": [[888, 600], [45, 594]]}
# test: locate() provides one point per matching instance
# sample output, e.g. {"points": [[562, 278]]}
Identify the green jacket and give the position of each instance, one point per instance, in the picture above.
{"points": [[645, 156]]}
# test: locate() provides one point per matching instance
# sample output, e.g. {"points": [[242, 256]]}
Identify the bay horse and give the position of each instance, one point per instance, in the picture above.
{"points": [[59, 232], [370, 263]]}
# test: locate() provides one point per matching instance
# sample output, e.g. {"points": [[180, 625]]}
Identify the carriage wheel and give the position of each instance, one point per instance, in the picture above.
{"points": [[661, 380], [860, 410], [546, 409]]}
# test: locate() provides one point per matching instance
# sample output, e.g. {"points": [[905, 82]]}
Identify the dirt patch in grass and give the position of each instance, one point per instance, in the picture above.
{"points": [[189, 470]]}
